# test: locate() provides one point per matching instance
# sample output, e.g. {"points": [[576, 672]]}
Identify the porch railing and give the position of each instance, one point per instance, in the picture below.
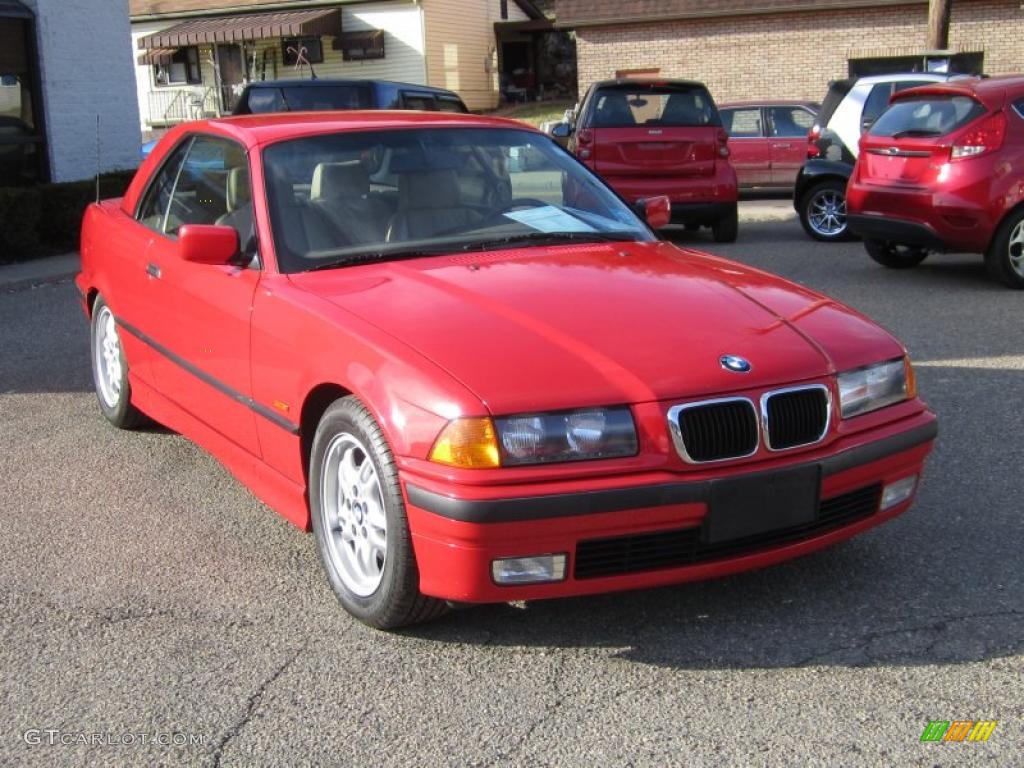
{"points": [[168, 106]]}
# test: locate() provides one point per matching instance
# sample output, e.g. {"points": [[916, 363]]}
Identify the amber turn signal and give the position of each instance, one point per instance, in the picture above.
{"points": [[467, 443], [911, 378]]}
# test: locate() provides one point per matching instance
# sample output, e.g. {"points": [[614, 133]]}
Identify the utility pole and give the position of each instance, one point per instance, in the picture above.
{"points": [[938, 24]]}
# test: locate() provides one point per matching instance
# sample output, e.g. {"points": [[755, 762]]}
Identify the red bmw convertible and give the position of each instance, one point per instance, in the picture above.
{"points": [[458, 357]]}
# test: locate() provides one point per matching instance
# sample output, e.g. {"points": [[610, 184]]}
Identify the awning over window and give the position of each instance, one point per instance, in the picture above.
{"points": [[157, 56], [246, 27]]}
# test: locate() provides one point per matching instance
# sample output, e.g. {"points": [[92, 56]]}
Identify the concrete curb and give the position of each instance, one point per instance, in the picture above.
{"points": [[31, 274]]}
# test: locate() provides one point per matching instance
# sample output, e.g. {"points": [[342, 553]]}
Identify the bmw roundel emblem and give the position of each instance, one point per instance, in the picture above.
{"points": [[735, 363]]}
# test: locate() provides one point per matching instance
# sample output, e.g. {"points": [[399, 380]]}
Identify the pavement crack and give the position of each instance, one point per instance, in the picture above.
{"points": [[252, 704], [937, 624]]}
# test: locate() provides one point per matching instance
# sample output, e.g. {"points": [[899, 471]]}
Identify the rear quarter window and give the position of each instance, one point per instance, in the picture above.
{"points": [[927, 116]]}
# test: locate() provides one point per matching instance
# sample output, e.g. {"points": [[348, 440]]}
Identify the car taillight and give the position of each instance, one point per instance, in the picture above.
{"points": [[812, 141], [986, 136], [584, 137], [723, 143]]}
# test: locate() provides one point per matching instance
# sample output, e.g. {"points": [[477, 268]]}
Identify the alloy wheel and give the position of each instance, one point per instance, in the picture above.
{"points": [[353, 516], [826, 213]]}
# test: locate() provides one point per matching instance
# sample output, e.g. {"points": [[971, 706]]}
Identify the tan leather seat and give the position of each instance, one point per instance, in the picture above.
{"points": [[429, 204], [238, 201], [341, 191]]}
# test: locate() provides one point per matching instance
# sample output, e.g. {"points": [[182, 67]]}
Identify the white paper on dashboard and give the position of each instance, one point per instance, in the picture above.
{"points": [[549, 219]]}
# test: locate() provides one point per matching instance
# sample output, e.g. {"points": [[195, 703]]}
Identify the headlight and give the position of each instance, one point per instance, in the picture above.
{"points": [[876, 386], [592, 433]]}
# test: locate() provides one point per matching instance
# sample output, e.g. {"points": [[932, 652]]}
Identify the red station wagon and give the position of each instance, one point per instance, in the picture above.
{"points": [[659, 137], [768, 140], [448, 349], [940, 170]]}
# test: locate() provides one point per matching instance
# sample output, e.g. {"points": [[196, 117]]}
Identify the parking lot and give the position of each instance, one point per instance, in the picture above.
{"points": [[145, 591]]}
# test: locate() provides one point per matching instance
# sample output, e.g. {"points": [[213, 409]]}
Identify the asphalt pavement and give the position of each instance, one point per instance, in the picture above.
{"points": [[153, 612]]}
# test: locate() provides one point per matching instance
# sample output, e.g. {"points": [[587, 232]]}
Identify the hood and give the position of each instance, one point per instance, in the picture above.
{"points": [[601, 324]]}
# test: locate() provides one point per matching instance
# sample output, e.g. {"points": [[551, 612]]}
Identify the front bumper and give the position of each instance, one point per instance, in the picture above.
{"points": [[456, 538]]}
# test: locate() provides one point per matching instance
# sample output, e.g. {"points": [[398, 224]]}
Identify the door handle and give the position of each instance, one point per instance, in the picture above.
{"points": [[781, 146], [153, 271]]}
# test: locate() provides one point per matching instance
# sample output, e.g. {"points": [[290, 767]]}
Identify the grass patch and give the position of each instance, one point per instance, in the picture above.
{"points": [[534, 112]]}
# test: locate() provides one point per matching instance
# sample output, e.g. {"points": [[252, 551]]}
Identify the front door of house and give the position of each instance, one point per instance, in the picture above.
{"points": [[232, 75]]}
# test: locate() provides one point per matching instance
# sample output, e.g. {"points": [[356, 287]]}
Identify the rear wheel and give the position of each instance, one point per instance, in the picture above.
{"points": [[823, 211], [895, 255], [359, 521], [1005, 257], [726, 228], [110, 370]]}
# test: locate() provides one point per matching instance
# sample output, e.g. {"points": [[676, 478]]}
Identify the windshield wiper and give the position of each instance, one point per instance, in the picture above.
{"points": [[920, 132], [549, 238], [364, 257]]}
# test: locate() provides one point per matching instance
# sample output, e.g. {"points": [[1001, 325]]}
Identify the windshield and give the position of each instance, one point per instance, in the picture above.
{"points": [[926, 116], [354, 197], [667, 105]]}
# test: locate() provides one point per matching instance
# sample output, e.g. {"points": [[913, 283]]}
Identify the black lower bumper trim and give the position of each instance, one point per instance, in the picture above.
{"points": [[894, 231], [619, 499]]}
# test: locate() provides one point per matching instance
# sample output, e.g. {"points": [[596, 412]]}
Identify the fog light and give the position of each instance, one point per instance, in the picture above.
{"points": [[528, 570], [901, 490]]}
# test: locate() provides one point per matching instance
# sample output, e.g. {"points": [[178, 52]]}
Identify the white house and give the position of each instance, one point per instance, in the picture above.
{"points": [[67, 95], [193, 57]]}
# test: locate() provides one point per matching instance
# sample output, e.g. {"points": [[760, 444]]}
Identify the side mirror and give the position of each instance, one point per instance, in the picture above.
{"points": [[657, 211], [865, 124], [561, 131], [207, 243]]}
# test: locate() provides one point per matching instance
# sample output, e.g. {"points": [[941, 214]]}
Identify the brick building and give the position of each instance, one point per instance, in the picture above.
{"points": [[783, 48]]}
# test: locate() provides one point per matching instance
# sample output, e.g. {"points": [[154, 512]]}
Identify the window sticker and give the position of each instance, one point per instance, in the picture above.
{"points": [[549, 219]]}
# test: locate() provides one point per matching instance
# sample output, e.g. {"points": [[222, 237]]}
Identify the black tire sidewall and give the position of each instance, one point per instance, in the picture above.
{"points": [[997, 258], [885, 254], [399, 583], [726, 229]]}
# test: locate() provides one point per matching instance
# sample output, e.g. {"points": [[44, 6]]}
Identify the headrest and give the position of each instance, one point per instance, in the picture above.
{"points": [[238, 192], [429, 189], [334, 180]]}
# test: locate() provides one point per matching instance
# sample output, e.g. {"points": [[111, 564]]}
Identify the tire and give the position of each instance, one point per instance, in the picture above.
{"points": [[1005, 257], [726, 229], [110, 370], [363, 536], [823, 211], [691, 227], [894, 255]]}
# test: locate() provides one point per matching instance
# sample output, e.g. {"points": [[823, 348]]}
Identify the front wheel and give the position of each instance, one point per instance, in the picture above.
{"points": [[726, 229], [823, 211], [894, 255], [1005, 257], [359, 521], [110, 370]]}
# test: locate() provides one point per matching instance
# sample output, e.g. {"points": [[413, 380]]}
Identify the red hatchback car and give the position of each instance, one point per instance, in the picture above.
{"points": [[446, 347], [941, 170], [659, 137]]}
